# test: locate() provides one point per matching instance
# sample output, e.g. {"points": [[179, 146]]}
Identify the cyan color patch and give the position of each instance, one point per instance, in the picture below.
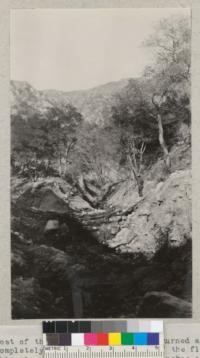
{"points": [[140, 339]]}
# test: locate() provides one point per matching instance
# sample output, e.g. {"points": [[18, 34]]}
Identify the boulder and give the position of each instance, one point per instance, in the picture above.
{"points": [[162, 217], [122, 238], [45, 199], [51, 225], [78, 203], [28, 298], [162, 304]]}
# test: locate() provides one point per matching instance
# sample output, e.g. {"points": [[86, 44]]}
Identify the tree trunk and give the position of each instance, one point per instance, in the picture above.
{"points": [[136, 177], [60, 165], [77, 301], [162, 142]]}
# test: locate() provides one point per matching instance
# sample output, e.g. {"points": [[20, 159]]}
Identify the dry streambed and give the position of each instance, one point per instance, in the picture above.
{"points": [[101, 263]]}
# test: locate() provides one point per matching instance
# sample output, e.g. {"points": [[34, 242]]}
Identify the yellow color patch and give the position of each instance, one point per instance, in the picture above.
{"points": [[114, 339]]}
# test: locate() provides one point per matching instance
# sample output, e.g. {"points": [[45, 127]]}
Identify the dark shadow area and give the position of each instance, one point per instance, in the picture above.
{"points": [[65, 272]]}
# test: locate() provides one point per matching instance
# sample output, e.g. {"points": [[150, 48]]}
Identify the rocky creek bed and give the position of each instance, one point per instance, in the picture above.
{"points": [[72, 262]]}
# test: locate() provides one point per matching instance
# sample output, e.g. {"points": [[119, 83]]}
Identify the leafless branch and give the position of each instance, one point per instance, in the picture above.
{"points": [[142, 150]]}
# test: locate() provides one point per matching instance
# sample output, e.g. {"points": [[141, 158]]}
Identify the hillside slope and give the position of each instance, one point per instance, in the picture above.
{"points": [[94, 104]]}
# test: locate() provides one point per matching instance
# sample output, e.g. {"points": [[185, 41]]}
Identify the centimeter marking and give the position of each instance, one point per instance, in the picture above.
{"points": [[109, 352]]}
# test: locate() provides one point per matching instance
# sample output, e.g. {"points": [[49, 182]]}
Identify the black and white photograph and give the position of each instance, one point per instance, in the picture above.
{"points": [[100, 107]]}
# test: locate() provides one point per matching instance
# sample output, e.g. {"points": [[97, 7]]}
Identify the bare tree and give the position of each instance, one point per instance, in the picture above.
{"points": [[171, 42], [135, 158], [69, 146], [158, 101]]}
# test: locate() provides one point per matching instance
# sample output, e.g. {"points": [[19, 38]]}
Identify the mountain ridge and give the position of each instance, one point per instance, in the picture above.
{"points": [[94, 104]]}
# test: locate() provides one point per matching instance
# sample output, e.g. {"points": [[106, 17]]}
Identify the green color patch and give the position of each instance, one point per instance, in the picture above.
{"points": [[127, 339]]}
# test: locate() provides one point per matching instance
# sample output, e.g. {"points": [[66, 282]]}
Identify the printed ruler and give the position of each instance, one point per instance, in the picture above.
{"points": [[104, 352]]}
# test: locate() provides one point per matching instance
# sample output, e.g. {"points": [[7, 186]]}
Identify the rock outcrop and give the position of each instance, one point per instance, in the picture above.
{"points": [[87, 256], [162, 304], [163, 216]]}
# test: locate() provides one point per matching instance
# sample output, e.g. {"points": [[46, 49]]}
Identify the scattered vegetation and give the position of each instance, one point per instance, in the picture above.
{"points": [[144, 119]]}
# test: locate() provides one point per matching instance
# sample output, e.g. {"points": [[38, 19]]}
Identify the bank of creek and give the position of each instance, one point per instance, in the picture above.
{"points": [[70, 260]]}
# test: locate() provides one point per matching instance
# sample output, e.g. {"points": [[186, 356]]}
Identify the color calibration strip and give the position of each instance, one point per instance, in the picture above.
{"points": [[102, 339], [106, 326]]}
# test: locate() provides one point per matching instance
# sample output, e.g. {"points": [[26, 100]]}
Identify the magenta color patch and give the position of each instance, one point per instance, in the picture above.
{"points": [[90, 339]]}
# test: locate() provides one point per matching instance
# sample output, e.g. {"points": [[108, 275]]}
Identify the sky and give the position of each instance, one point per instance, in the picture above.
{"points": [[73, 49]]}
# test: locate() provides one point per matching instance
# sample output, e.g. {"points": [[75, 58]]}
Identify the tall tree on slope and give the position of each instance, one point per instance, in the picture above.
{"points": [[170, 72]]}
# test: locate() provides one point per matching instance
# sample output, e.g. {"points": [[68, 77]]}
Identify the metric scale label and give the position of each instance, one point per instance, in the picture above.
{"points": [[105, 352]]}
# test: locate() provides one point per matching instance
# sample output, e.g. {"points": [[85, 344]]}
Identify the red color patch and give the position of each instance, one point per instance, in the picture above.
{"points": [[102, 339]]}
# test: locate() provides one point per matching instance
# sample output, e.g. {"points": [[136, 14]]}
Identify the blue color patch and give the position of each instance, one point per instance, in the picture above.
{"points": [[140, 339], [153, 339]]}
